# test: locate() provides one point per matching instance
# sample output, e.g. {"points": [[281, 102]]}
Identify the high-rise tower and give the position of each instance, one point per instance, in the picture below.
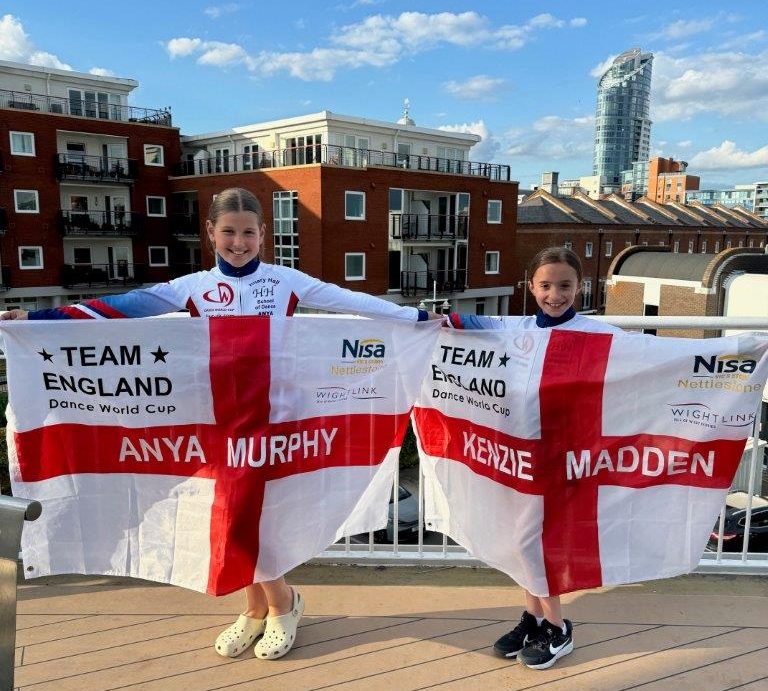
{"points": [[622, 126]]}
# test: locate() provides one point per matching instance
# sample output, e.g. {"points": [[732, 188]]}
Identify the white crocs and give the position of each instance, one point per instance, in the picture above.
{"points": [[280, 632], [236, 638]]}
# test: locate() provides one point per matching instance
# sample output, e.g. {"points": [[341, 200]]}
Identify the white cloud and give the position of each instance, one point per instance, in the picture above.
{"points": [[376, 41], [486, 149], [685, 144], [16, 46], [578, 22], [598, 70], [217, 11], [101, 72], [685, 27], [723, 82], [479, 87], [727, 156], [553, 137]]}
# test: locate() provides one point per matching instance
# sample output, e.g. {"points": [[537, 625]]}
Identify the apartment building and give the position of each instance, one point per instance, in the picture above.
{"points": [[668, 180], [392, 209], [597, 230], [84, 188]]}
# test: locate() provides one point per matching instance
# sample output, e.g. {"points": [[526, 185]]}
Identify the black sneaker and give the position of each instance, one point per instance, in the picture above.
{"points": [[551, 645], [510, 644]]}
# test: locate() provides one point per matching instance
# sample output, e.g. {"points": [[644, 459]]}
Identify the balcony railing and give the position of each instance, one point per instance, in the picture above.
{"points": [[5, 279], [185, 225], [95, 168], [83, 108], [446, 281], [340, 156], [428, 227], [182, 269], [3, 222], [116, 274], [109, 223]]}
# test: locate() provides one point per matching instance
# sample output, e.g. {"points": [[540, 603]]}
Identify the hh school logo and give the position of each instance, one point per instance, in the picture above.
{"points": [[222, 295]]}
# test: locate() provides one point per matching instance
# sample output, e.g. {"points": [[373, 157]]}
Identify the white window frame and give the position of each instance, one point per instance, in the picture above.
{"points": [[160, 215], [588, 248], [488, 211], [285, 227], [347, 276], [609, 248], [488, 256], [164, 248], [568, 245], [36, 210], [347, 195], [31, 135], [161, 148], [586, 294], [690, 246], [676, 246], [39, 248], [703, 246]]}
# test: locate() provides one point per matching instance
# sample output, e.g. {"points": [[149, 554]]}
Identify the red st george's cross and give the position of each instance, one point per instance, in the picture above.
{"points": [[240, 387], [571, 404]]}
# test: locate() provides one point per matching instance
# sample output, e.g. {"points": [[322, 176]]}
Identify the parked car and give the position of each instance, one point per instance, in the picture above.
{"points": [[407, 521], [733, 530]]}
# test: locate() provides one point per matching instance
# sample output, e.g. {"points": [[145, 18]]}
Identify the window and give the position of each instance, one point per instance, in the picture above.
{"points": [[588, 249], [22, 143], [717, 246], [729, 244], [568, 245], [285, 228], [395, 200], [30, 257], [81, 255], [494, 211], [480, 306], [26, 201], [586, 294], [158, 255], [221, 158], [250, 157], [609, 248], [676, 246], [155, 206], [154, 155], [354, 206], [627, 243], [354, 266], [491, 262], [741, 243], [703, 246], [690, 246]]}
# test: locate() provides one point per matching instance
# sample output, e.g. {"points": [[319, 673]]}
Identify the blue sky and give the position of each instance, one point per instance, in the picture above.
{"points": [[521, 74]]}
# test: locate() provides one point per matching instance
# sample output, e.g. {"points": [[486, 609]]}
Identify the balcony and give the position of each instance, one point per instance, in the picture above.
{"points": [[183, 268], [3, 222], [339, 156], [422, 282], [428, 227], [98, 169], [185, 226], [115, 275], [5, 278], [99, 223], [22, 100]]}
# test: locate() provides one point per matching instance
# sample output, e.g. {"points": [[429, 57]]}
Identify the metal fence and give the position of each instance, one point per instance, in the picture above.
{"points": [[443, 551]]}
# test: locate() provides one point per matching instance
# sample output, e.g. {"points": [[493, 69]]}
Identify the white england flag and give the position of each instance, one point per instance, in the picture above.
{"points": [[206, 453], [572, 460]]}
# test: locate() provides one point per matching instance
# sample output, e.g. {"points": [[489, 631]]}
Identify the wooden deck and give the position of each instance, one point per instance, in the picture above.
{"points": [[395, 628]]}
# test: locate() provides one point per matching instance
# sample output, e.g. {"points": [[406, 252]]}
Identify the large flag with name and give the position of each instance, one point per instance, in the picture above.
{"points": [[206, 453], [572, 460]]}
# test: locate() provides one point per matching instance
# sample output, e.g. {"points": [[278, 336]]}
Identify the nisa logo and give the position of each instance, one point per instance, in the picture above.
{"points": [[722, 364], [221, 295], [366, 349]]}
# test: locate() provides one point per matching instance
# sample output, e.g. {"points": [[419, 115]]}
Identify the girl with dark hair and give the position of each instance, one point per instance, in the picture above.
{"points": [[542, 636], [239, 284]]}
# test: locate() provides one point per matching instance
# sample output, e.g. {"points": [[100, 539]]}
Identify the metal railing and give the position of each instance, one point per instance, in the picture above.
{"points": [[85, 168], [445, 280], [185, 225], [111, 223], [117, 274], [445, 552], [23, 100], [339, 156], [429, 227], [3, 221], [13, 513]]}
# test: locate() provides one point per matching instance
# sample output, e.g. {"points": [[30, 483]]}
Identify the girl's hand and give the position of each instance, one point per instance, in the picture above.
{"points": [[14, 314]]}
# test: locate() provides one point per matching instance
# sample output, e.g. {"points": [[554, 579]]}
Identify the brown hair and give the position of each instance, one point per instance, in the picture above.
{"points": [[555, 255], [234, 199]]}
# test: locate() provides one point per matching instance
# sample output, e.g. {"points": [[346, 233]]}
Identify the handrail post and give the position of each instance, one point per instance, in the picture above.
{"points": [[13, 512]]}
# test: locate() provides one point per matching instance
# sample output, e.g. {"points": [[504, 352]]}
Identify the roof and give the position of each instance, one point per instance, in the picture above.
{"points": [[682, 267]]}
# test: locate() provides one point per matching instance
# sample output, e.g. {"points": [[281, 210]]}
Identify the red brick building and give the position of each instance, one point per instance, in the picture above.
{"points": [[597, 230], [668, 181]]}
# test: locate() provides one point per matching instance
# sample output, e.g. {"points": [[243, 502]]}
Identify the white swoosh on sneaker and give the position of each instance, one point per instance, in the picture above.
{"points": [[555, 651]]}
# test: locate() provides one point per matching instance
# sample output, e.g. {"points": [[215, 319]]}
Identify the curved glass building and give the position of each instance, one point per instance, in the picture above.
{"points": [[622, 126]]}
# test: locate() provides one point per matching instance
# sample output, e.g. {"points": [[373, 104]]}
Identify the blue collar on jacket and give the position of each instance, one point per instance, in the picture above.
{"points": [[544, 321], [234, 272]]}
